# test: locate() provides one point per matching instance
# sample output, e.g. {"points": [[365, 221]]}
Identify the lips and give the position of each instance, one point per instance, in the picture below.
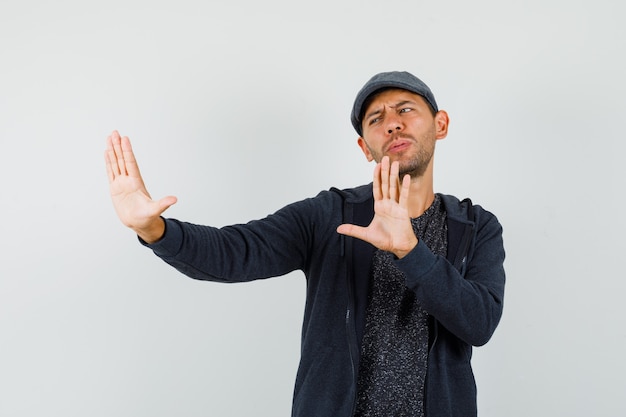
{"points": [[398, 145]]}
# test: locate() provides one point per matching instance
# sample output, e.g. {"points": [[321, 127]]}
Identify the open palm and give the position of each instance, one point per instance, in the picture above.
{"points": [[129, 195], [390, 229]]}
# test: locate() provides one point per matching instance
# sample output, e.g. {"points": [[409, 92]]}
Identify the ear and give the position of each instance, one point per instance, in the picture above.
{"points": [[441, 123], [365, 149]]}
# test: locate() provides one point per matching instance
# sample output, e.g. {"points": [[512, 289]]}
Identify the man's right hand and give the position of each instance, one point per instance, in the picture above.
{"points": [[131, 200]]}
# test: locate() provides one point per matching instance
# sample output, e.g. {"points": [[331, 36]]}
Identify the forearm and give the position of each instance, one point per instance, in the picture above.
{"points": [[471, 306], [275, 245]]}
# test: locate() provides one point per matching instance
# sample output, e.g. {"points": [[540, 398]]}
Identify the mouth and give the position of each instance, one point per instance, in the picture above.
{"points": [[398, 146]]}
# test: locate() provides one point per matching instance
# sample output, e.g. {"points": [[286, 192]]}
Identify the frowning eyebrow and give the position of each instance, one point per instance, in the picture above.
{"points": [[379, 110]]}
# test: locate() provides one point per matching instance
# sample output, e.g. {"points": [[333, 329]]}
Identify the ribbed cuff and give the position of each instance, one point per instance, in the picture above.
{"points": [[170, 242]]}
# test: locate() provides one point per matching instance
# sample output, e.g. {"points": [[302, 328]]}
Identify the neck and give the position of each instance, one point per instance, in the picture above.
{"points": [[421, 195]]}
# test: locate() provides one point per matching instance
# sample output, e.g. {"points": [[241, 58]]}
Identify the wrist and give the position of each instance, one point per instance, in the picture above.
{"points": [[401, 253], [153, 232]]}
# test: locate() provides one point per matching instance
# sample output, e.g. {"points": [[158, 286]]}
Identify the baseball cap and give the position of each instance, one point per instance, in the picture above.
{"points": [[393, 79]]}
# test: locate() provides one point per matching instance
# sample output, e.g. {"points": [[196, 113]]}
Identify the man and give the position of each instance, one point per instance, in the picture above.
{"points": [[401, 282]]}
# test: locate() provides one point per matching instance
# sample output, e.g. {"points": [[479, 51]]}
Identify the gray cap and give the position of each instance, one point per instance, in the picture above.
{"points": [[394, 79]]}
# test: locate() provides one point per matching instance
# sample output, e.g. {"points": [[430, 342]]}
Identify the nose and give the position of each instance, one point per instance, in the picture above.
{"points": [[393, 123]]}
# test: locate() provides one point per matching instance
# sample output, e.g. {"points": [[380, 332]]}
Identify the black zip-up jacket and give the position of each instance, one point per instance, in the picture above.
{"points": [[463, 292]]}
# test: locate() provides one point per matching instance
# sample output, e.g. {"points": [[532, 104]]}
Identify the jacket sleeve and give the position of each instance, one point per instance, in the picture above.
{"points": [[273, 246], [471, 306]]}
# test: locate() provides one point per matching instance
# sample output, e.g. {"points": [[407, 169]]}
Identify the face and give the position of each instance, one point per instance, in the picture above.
{"points": [[401, 125]]}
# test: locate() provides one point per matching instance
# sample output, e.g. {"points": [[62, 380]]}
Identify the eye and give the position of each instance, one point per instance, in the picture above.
{"points": [[405, 109], [373, 120]]}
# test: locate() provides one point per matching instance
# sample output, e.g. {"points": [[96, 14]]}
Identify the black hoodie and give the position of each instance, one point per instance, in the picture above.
{"points": [[463, 293]]}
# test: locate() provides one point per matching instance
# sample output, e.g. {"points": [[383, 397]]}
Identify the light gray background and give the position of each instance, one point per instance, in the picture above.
{"points": [[240, 107]]}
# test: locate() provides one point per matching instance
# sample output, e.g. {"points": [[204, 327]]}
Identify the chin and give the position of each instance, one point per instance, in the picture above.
{"points": [[414, 168]]}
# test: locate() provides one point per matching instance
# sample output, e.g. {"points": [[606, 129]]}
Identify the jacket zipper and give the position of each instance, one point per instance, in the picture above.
{"points": [[461, 260], [347, 253]]}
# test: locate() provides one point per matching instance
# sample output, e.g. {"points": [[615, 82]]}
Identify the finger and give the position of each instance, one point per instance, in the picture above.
{"points": [[165, 203], [111, 160], [130, 163], [393, 181], [352, 230], [109, 169], [404, 192], [384, 176], [116, 141], [376, 188]]}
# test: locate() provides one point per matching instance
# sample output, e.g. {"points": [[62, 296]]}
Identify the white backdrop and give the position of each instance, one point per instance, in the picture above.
{"points": [[239, 108]]}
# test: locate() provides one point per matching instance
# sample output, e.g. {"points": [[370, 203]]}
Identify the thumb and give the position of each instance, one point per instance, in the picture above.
{"points": [[352, 230], [165, 203]]}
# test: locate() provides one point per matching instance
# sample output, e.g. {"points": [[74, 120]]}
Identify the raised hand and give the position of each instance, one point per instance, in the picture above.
{"points": [[390, 229], [131, 199]]}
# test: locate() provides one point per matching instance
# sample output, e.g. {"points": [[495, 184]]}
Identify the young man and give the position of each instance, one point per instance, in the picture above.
{"points": [[401, 282]]}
